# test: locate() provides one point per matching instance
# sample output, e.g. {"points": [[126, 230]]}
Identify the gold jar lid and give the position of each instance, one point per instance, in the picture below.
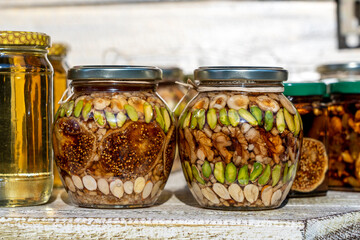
{"points": [[58, 49], [20, 38]]}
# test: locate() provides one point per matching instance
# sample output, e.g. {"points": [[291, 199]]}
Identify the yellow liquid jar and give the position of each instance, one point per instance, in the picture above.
{"points": [[57, 54], [26, 112]]}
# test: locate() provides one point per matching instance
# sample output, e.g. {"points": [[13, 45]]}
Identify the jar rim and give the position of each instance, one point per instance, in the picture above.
{"points": [[240, 73], [103, 73]]}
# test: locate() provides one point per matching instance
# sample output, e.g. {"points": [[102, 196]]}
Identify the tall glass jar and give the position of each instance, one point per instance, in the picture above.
{"points": [[25, 120], [114, 138], [56, 54], [311, 178], [344, 136], [240, 138]]}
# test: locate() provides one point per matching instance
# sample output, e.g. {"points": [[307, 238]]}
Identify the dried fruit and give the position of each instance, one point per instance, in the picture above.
{"points": [[78, 108], [219, 172], [86, 111], [188, 170], [269, 120], [276, 174], [280, 121], [230, 172], [148, 112], [223, 117], [103, 186], [236, 192], [187, 120], [257, 113], [219, 101], [257, 170], [238, 101], [234, 117], [289, 120], [247, 116], [251, 193], [131, 112], [267, 104], [121, 119], [243, 177], [212, 118], [221, 191], [197, 175], [117, 188], [264, 178], [201, 118], [166, 118], [110, 117], [206, 169], [89, 183]]}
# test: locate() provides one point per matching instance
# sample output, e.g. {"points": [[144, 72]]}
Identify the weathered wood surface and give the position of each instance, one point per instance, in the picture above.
{"points": [[178, 216]]}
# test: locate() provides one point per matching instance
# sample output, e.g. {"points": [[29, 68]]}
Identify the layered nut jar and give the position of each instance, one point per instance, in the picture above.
{"points": [[311, 177], [240, 138], [344, 136], [114, 138]]}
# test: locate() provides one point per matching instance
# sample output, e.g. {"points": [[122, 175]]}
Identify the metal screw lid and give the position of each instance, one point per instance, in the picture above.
{"points": [[58, 49], [17, 38], [339, 67], [172, 74]]}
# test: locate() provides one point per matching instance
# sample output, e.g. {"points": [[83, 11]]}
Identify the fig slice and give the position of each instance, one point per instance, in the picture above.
{"points": [[133, 149], [74, 145]]}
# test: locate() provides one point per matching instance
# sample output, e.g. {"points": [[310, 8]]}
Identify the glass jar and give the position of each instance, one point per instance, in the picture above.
{"points": [[114, 138], [26, 114], [240, 138], [311, 177], [344, 136], [56, 54]]}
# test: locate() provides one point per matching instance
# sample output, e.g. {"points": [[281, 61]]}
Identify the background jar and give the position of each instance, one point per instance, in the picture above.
{"points": [[239, 138], [56, 55], [311, 177], [114, 138], [26, 115], [344, 136]]}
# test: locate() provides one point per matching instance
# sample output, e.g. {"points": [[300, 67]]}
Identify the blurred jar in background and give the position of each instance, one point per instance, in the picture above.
{"points": [[26, 108], [57, 54]]}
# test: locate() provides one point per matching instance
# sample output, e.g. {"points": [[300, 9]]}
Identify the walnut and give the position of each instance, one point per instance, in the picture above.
{"points": [[190, 141], [240, 144], [274, 144], [253, 136], [221, 141], [205, 144]]}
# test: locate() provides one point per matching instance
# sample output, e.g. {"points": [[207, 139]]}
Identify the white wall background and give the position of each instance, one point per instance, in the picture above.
{"points": [[294, 35]]}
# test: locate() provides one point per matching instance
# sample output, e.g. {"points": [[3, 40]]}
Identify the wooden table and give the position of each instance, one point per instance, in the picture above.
{"points": [[178, 216]]}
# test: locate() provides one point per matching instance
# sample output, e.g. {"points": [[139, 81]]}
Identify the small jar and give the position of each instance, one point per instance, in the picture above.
{"points": [[311, 177], [240, 138], [344, 136], [26, 116], [56, 55], [114, 139]]}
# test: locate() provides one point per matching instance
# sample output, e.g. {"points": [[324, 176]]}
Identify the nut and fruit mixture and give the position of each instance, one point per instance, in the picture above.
{"points": [[344, 145], [114, 149], [311, 174], [240, 150]]}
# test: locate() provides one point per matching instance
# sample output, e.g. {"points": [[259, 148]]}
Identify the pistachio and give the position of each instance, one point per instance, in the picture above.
{"points": [[212, 118], [99, 118], [234, 117], [264, 178], [223, 117], [197, 175], [69, 108], [236, 192], [148, 112], [201, 118], [86, 111], [159, 118], [62, 111], [219, 101], [185, 173], [111, 119], [230, 172], [243, 177], [219, 172], [221, 191], [291, 172], [57, 114], [193, 121], [238, 101], [251, 193], [131, 112], [69, 183], [257, 113], [166, 118], [187, 120], [285, 173], [280, 121], [121, 119], [269, 120], [206, 169], [247, 116], [289, 120], [188, 170], [78, 108], [275, 175], [287, 104], [257, 170], [297, 122]]}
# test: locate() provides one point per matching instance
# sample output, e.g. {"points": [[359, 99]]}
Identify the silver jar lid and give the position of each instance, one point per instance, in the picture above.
{"points": [[236, 73], [115, 72], [172, 74], [339, 67]]}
